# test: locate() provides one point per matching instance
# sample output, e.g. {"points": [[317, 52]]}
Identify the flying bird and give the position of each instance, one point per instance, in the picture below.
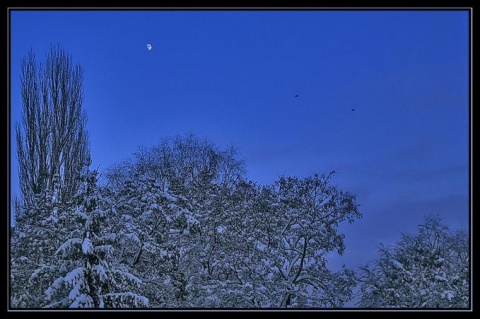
{"points": [[296, 95], [149, 46], [353, 110]]}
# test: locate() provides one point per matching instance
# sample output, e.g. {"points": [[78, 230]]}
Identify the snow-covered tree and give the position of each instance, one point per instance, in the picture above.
{"points": [[266, 247], [150, 224], [183, 165], [184, 179], [89, 277], [208, 253], [37, 232], [290, 230], [428, 270], [200, 235], [310, 211]]}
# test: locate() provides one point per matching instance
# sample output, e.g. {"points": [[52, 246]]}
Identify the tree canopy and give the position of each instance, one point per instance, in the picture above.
{"points": [[185, 228], [51, 139], [430, 269]]}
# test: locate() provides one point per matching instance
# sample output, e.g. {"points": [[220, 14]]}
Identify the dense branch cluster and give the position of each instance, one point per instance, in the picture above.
{"points": [[52, 138]]}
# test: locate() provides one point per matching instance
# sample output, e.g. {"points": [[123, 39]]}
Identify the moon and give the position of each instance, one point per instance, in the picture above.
{"points": [[149, 46]]}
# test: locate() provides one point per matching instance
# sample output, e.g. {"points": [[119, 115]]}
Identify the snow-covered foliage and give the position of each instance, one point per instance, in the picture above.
{"points": [[88, 273], [426, 270], [271, 250], [224, 241], [67, 262], [35, 238], [149, 225], [180, 226]]}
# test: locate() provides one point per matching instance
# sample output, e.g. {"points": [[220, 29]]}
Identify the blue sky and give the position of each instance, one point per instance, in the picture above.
{"points": [[231, 77]]}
